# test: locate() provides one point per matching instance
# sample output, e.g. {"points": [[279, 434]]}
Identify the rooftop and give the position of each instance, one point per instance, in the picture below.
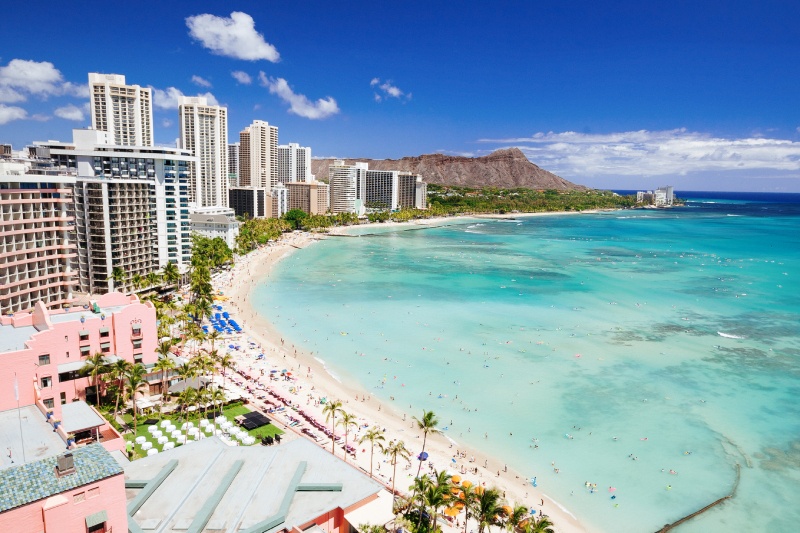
{"points": [[36, 481], [36, 435], [229, 487]]}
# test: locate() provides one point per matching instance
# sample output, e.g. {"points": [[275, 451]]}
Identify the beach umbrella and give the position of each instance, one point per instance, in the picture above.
{"points": [[451, 511], [467, 484], [423, 456], [456, 479]]}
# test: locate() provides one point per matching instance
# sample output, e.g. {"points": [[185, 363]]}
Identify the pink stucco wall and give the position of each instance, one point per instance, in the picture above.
{"points": [[64, 513], [61, 341]]}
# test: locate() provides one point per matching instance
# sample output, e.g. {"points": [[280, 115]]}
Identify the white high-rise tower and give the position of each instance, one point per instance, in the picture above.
{"points": [[124, 111], [204, 131], [294, 163]]}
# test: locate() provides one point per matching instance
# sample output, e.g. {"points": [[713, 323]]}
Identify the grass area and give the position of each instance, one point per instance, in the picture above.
{"points": [[230, 411]]}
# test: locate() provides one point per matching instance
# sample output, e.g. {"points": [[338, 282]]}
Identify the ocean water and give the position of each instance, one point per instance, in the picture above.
{"points": [[619, 346]]}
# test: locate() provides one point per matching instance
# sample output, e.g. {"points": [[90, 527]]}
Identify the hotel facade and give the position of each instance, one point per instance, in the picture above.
{"points": [[204, 132]]}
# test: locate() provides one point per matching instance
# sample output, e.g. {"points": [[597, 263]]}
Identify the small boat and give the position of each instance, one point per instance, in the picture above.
{"points": [[729, 335]]}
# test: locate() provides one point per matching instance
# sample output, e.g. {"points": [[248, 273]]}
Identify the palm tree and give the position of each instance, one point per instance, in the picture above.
{"points": [[152, 279], [427, 424], [186, 398], [330, 410], [137, 281], [540, 525], [225, 362], [171, 273], [213, 337], [135, 383], [394, 450], [164, 365], [347, 421], [118, 275], [437, 494], [218, 398], [467, 497], [119, 370], [372, 436], [488, 509], [419, 486], [518, 515], [94, 366]]}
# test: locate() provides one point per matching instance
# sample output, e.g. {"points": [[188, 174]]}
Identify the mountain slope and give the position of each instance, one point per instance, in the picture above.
{"points": [[508, 168]]}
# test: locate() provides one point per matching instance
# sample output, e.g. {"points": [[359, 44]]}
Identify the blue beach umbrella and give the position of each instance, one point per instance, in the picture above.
{"points": [[423, 456]]}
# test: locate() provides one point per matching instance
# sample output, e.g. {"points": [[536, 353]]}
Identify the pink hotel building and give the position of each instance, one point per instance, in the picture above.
{"points": [[43, 352]]}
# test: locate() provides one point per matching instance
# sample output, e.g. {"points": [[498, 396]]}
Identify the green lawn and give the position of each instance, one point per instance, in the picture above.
{"points": [[229, 411]]}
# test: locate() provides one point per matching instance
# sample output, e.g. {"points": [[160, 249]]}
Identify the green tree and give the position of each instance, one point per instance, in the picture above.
{"points": [[331, 409], [488, 509], [295, 217], [94, 366], [164, 365], [118, 275], [119, 371], [170, 273], [395, 450], [135, 383], [372, 435], [152, 279], [467, 497], [347, 421], [516, 518], [137, 281], [539, 525], [427, 424]]}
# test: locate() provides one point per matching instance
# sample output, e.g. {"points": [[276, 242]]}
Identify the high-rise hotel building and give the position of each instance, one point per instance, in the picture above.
{"points": [[37, 251], [131, 205], [124, 111], [357, 189], [294, 163], [204, 132], [258, 155]]}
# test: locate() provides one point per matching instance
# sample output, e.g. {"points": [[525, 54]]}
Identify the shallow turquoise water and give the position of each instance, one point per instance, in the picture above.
{"points": [[597, 335]]}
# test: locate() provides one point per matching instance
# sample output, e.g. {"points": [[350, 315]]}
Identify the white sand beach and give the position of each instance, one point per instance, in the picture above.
{"points": [[310, 382]]}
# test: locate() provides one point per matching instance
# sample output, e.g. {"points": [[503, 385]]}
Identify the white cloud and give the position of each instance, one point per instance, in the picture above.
{"points": [[168, 98], [69, 112], [39, 78], [388, 89], [201, 82], [234, 37], [653, 153], [299, 104], [166, 123], [10, 96], [242, 77], [22, 77], [9, 113]]}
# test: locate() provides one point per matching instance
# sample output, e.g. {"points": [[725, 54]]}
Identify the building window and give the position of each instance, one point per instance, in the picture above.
{"points": [[44, 359], [97, 528], [46, 382], [137, 343], [63, 398], [103, 332], [48, 402], [79, 497], [93, 492], [84, 336], [69, 376]]}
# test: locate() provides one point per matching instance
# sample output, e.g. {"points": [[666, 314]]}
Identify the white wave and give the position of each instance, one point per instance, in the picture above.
{"points": [[730, 336], [327, 370], [730, 215], [560, 506]]}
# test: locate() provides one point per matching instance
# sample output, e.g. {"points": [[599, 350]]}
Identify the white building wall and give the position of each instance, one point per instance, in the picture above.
{"points": [[204, 131], [124, 111]]}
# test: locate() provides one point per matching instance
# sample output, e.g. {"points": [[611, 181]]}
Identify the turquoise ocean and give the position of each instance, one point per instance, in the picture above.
{"points": [[621, 346]]}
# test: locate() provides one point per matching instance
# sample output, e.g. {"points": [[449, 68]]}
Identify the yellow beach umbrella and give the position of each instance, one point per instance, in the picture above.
{"points": [[456, 479], [467, 484], [507, 509], [451, 511]]}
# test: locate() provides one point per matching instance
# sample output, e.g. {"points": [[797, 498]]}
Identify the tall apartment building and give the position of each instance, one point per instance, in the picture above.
{"points": [[252, 202], [233, 164], [258, 155], [312, 197], [347, 184], [131, 205], [37, 252], [356, 189], [204, 132], [124, 111], [294, 163]]}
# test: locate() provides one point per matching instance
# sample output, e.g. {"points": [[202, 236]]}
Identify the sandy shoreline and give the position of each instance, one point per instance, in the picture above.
{"points": [[314, 381]]}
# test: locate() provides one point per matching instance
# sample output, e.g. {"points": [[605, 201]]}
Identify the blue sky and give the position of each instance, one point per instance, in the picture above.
{"points": [[702, 95]]}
